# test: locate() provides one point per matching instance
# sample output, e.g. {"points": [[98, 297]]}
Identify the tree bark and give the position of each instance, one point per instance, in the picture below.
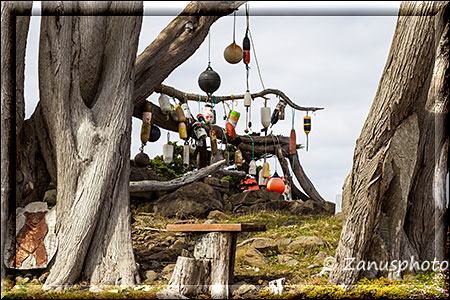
{"points": [[90, 139], [13, 43], [394, 197]]}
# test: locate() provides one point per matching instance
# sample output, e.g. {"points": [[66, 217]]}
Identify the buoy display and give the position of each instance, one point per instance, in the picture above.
{"points": [[233, 53], [261, 179], [238, 157], [209, 80], [186, 111], [208, 114], [213, 138], [199, 131], [155, 133], [266, 170], [186, 150], [247, 99], [141, 160], [292, 142], [307, 128], [233, 118], [180, 113], [265, 117], [164, 104], [275, 184], [147, 113], [167, 153], [182, 130], [252, 167]]}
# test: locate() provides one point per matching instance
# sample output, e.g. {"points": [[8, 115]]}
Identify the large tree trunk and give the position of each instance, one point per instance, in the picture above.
{"points": [[394, 198], [13, 43], [89, 124]]}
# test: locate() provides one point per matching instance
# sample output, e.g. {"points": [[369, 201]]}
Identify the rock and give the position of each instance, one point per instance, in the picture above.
{"points": [[43, 277], [178, 246], [283, 243], [217, 214], [241, 289], [320, 257], [169, 294], [330, 207], [264, 246], [95, 289], [287, 260], [168, 270], [253, 257], [138, 287], [210, 221], [253, 197], [50, 197], [151, 275], [193, 200], [307, 243], [22, 280], [159, 256], [35, 281]]}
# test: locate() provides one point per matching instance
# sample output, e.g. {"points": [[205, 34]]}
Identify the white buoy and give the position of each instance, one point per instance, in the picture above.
{"points": [[186, 150], [252, 167], [167, 153], [164, 104], [247, 99], [265, 117]]}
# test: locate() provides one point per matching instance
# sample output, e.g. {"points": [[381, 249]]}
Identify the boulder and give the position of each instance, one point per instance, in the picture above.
{"points": [[264, 246], [217, 214], [307, 243], [241, 289], [50, 197], [320, 257], [252, 197], [287, 260], [253, 257], [151, 275], [283, 243], [193, 200]]}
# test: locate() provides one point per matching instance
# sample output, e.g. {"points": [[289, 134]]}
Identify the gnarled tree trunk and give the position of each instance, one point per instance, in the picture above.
{"points": [[394, 198]]}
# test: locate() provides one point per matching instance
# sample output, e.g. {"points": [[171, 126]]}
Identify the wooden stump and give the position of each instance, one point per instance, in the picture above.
{"points": [[191, 276]]}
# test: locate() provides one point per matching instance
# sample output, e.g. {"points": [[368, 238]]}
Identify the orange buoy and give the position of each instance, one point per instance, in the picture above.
{"points": [[276, 184], [292, 143]]}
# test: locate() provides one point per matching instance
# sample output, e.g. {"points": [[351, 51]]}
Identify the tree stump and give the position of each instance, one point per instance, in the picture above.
{"points": [[191, 276]]}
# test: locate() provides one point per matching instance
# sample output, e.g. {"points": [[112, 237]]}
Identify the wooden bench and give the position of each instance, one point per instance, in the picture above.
{"points": [[211, 270]]}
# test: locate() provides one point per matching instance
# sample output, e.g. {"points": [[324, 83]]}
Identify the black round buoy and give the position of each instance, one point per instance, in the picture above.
{"points": [[155, 134], [142, 160], [209, 80]]}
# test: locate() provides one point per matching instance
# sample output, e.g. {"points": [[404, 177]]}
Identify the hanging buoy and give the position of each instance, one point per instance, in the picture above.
{"points": [[246, 49], [186, 150], [182, 130], [209, 80], [233, 118], [208, 114], [186, 111], [155, 133], [147, 113], [265, 116], [180, 113], [164, 104], [265, 170], [238, 157], [233, 53], [292, 142], [278, 112], [145, 132], [173, 114], [141, 160], [202, 154], [199, 131], [167, 153], [252, 167], [261, 179], [213, 138], [307, 128], [247, 99], [276, 184], [287, 189], [201, 119]]}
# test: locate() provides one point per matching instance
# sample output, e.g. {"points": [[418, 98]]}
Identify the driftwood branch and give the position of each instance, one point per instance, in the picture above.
{"points": [[225, 172], [183, 97], [153, 185]]}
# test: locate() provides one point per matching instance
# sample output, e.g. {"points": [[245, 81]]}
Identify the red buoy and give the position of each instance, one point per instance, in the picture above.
{"points": [[275, 183]]}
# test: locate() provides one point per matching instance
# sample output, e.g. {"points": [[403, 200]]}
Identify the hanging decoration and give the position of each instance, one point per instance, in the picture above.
{"points": [[261, 179], [233, 53], [141, 160], [155, 134], [208, 114], [173, 113], [182, 130], [233, 118], [186, 152], [186, 110], [292, 137], [265, 169], [168, 151], [252, 165], [213, 139], [164, 104], [199, 131], [146, 123], [278, 113], [265, 115], [238, 157], [307, 127], [209, 80], [202, 154], [276, 184], [180, 113]]}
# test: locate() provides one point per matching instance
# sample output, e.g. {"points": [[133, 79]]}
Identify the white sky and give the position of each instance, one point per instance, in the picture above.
{"points": [[326, 61]]}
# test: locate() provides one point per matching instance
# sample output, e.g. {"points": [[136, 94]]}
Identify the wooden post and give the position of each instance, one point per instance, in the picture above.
{"points": [[191, 276]]}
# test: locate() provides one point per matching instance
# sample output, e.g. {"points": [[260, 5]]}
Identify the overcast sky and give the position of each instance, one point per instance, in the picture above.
{"points": [[326, 61]]}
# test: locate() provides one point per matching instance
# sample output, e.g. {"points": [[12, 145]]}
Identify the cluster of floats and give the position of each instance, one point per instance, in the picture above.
{"points": [[201, 125]]}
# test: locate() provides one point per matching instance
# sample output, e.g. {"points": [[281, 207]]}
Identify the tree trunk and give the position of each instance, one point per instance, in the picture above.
{"points": [[394, 198], [13, 43], [90, 139]]}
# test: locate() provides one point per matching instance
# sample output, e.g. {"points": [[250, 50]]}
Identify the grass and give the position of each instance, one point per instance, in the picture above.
{"points": [[301, 280]]}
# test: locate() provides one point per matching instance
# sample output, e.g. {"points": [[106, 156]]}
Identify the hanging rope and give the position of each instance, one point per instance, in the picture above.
{"points": [[199, 99], [234, 27], [256, 60], [253, 146], [209, 48]]}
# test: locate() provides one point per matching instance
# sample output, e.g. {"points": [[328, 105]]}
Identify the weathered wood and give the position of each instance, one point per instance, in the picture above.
{"points": [[225, 172], [154, 185], [394, 208], [244, 227], [191, 276], [217, 247]]}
